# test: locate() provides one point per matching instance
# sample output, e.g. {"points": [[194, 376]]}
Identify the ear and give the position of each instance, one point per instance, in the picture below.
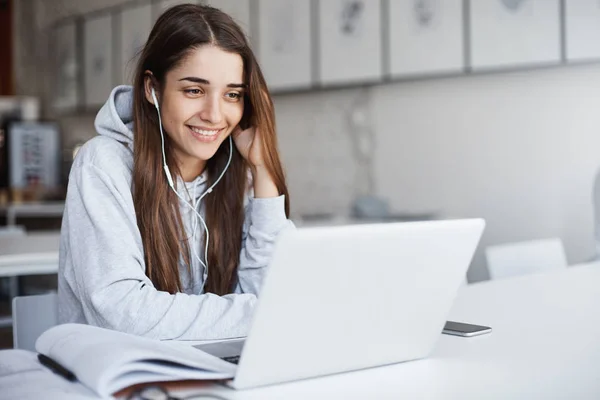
{"points": [[148, 85]]}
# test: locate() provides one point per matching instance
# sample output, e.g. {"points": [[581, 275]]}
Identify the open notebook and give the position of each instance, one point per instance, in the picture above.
{"points": [[107, 361]]}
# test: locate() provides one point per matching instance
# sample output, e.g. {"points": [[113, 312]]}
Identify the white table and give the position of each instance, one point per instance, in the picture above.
{"points": [[31, 254], [45, 209], [545, 344]]}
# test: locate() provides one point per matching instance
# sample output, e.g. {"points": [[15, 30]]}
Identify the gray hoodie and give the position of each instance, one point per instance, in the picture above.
{"points": [[101, 278]]}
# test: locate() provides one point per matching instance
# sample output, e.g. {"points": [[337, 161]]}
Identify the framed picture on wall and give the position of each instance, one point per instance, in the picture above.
{"points": [[239, 10], [283, 43], [349, 41], [98, 59], [136, 24], [582, 30], [512, 33], [34, 155], [66, 67], [425, 37]]}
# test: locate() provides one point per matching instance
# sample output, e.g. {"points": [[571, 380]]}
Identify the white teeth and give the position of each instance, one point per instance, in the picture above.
{"points": [[203, 132]]}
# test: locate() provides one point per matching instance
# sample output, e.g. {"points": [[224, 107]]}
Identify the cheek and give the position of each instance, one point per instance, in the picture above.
{"points": [[176, 113], [235, 113]]}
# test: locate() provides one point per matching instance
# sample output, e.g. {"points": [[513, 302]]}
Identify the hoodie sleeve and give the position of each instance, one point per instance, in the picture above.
{"points": [[102, 264], [264, 220]]}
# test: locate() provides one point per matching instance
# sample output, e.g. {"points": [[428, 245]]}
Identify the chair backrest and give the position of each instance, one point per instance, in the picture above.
{"points": [[520, 258], [596, 202], [32, 315]]}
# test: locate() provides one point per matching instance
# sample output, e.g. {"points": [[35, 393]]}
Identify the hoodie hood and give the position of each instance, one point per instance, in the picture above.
{"points": [[115, 118], [102, 276]]}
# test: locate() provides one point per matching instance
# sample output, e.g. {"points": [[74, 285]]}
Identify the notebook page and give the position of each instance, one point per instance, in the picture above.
{"points": [[23, 377], [98, 356]]}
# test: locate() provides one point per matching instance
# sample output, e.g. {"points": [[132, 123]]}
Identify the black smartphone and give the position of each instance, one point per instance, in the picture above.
{"points": [[462, 329]]}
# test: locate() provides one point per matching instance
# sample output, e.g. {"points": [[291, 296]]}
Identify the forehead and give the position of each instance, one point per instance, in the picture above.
{"points": [[208, 62]]}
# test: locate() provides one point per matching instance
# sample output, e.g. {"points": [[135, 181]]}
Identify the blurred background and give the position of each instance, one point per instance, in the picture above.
{"points": [[387, 110]]}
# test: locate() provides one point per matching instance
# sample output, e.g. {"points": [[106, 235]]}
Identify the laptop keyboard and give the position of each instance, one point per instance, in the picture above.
{"points": [[232, 359]]}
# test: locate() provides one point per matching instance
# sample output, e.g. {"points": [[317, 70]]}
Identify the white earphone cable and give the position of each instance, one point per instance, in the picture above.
{"points": [[209, 190]]}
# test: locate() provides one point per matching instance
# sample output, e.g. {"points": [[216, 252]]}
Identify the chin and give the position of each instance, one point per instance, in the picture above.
{"points": [[206, 152]]}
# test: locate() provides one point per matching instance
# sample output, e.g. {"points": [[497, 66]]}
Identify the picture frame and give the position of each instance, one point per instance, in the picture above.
{"points": [[514, 33], [34, 155], [582, 30], [66, 60], [350, 48], [135, 27], [283, 43], [425, 37], [98, 59]]}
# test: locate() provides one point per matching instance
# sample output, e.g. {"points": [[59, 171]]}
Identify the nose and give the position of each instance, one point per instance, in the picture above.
{"points": [[211, 110]]}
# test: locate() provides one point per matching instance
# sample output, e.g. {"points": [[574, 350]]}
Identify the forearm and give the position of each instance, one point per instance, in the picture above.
{"points": [[265, 220], [144, 311], [264, 186]]}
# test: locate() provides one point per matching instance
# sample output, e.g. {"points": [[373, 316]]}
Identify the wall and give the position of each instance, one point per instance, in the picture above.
{"points": [[520, 149]]}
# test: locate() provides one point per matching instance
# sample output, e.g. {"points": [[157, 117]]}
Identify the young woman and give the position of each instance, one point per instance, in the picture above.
{"points": [[173, 210]]}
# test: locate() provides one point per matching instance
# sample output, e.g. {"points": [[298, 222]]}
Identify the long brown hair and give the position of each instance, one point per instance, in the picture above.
{"points": [[176, 33]]}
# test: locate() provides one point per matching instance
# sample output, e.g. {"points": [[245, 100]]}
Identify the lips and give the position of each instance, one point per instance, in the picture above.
{"points": [[205, 135]]}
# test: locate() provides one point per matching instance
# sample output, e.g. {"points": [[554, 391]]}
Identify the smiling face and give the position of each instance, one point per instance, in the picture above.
{"points": [[201, 103]]}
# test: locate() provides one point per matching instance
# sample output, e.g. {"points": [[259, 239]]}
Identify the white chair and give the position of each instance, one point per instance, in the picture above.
{"points": [[32, 315], [11, 284], [520, 258], [596, 203]]}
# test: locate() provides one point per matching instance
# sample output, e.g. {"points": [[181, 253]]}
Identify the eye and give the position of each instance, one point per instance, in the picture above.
{"points": [[233, 95], [193, 91]]}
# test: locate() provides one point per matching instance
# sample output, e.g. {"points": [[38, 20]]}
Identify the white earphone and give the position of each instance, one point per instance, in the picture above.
{"points": [[172, 185]]}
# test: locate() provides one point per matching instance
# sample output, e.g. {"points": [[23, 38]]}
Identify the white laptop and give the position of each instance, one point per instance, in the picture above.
{"points": [[345, 298]]}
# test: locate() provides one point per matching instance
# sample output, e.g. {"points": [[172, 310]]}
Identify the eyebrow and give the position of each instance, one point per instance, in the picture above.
{"points": [[206, 82]]}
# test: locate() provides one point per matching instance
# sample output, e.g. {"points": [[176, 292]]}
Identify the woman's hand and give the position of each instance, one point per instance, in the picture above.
{"points": [[248, 143]]}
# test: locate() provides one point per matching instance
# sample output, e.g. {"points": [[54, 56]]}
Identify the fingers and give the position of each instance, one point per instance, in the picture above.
{"points": [[236, 131]]}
